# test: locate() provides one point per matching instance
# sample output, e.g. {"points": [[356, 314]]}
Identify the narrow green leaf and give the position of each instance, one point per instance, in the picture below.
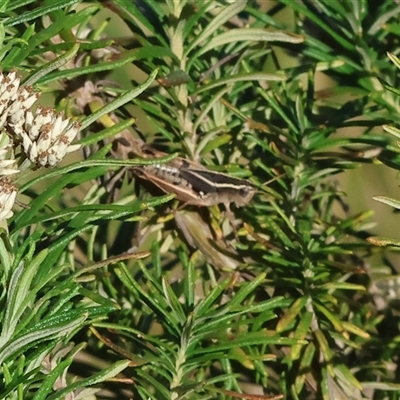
{"points": [[291, 314], [239, 78], [67, 22], [224, 15], [173, 301], [391, 386], [39, 12], [7, 47], [388, 201], [356, 330], [131, 13], [204, 306], [155, 301], [302, 330], [9, 60], [47, 385], [102, 376], [125, 58], [89, 163], [213, 144], [120, 101], [246, 289], [344, 286], [189, 285], [333, 319], [106, 133], [259, 338], [391, 129], [383, 20], [305, 366], [249, 35], [345, 374], [323, 343], [15, 346], [303, 10], [6, 258], [51, 66], [148, 381], [19, 295]]}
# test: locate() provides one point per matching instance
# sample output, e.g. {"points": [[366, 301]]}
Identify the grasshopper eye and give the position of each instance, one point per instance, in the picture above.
{"points": [[243, 195], [244, 192]]}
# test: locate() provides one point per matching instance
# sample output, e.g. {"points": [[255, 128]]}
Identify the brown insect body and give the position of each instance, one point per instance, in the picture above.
{"points": [[197, 185], [168, 183]]}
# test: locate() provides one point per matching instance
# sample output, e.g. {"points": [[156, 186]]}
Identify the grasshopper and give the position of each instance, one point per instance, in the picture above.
{"points": [[196, 185]]}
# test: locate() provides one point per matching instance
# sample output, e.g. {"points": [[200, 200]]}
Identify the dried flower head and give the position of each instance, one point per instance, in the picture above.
{"points": [[7, 160], [14, 101], [8, 193], [43, 135], [46, 136]]}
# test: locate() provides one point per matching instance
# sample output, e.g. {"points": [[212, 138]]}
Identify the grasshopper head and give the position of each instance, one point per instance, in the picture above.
{"points": [[244, 195]]}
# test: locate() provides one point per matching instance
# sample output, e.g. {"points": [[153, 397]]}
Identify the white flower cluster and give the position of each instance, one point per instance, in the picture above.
{"points": [[43, 135], [8, 193], [46, 136], [14, 101]]}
